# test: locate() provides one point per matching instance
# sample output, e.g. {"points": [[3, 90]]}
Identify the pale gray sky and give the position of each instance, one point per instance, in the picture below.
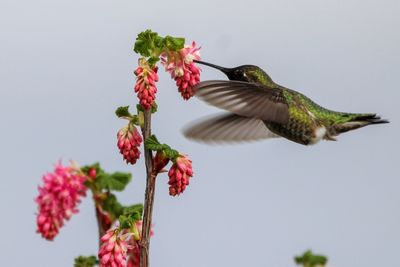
{"points": [[66, 65]]}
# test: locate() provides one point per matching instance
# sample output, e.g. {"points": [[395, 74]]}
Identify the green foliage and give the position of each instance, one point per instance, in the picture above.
{"points": [[116, 209], [154, 107], [133, 208], [153, 60], [116, 181], [122, 112], [152, 143], [112, 206], [85, 261], [147, 42], [130, 215], [150, 45], [173, 43], [308, 259]]}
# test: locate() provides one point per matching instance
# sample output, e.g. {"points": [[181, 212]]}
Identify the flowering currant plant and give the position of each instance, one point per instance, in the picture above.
{"points": [[124, 231]]}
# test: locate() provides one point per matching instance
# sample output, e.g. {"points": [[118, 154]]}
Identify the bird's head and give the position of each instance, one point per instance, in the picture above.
{"points": [[244, 73]]}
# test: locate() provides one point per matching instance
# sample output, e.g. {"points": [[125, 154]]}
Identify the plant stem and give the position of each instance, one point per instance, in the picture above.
{"points": [[149, 195], [100, 224]]}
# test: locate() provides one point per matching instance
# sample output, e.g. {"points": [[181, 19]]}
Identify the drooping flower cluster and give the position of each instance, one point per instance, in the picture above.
{"points": [[179, 174], [129, 140], [182, 68], [145, 86], [121, 248], [113, 250], [58, 198]]}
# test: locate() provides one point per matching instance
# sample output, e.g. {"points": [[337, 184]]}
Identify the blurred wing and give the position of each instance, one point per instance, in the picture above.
{"points": [[245, 99], [228, 128]]}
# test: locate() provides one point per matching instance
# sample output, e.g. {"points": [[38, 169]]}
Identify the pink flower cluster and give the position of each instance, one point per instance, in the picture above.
{"points": [[129, 140], [146, 83], [58, 198], [182, 68], [121, 248], [179, 174], [114, 249]]}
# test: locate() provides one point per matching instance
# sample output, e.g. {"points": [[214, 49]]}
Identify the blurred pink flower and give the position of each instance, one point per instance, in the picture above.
{"points": [[129, 140], [58, 198], [182, 68], [145, 86], [179, 174]]}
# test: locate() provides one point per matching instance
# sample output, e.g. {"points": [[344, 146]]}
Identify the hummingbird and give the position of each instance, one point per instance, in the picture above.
{"points": [[259, 108]]}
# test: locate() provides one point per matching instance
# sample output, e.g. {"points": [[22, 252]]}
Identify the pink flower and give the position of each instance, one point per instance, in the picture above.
{"points": [[129, 140], [179, 174], [134, 257], [113, 250], [146, 83], [182, 68], [58, 198]]}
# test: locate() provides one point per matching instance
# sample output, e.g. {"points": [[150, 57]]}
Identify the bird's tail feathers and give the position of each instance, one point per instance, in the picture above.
{"points": [[359, 121]]}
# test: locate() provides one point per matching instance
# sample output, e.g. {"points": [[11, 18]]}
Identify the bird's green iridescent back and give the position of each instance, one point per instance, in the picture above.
{"points": [[305, 116]]}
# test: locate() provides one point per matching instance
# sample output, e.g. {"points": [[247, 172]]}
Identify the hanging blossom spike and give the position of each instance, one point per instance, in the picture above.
{"points": [[58, 198], [182, 68], [129, 140], [113, 251], [179, 174], [145, 86]]}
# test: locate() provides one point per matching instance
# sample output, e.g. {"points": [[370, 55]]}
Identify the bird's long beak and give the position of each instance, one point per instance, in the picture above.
{"points": [[224, 70]]}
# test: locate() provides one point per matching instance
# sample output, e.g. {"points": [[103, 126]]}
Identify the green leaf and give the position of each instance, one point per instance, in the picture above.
{"points": [[136, 208], [139, 108], [131, 214], [123, 112], [308, 259], [124, 221], [172, 154], [154, 107], [153, 144], [147, 42], [173, 43], [116, 181], [85, 261], [153, 60], [112, 206]]}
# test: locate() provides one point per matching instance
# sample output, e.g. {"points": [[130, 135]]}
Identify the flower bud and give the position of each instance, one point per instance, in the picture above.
{"points": [[128, 142], [179, 174], [160, 161]]}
